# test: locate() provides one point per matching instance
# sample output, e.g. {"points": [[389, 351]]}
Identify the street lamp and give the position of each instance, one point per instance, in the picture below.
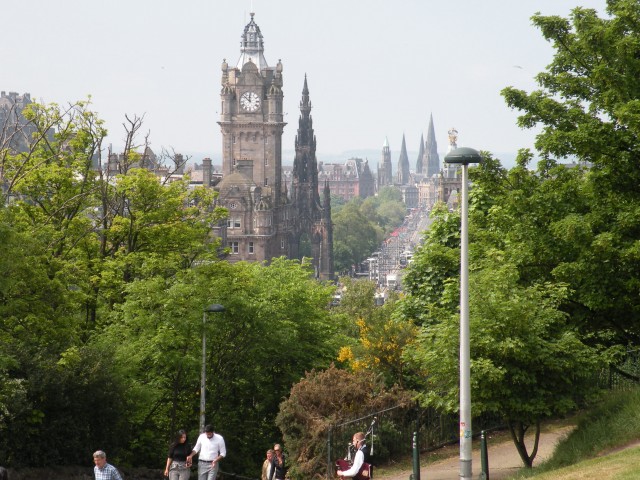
{"points": [[464, 156], [203, 378]]}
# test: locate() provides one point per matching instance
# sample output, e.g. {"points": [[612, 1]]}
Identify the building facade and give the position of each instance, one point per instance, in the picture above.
{"points": [[348, 180], [15, 131], [264, 220]]}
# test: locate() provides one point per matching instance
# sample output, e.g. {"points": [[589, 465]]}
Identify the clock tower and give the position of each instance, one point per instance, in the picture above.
{"points": [[263, 221], [252, 119]]}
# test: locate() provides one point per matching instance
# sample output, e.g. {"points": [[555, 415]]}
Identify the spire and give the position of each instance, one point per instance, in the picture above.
{"points": [[385, 176], [420, 155], [305, 166], [403, 164], [432, 163], [252, 46], [305, 103]]}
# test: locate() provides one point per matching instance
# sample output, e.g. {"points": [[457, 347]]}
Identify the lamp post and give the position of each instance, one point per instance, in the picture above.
{"points": [[203, 378], [464, 156]]}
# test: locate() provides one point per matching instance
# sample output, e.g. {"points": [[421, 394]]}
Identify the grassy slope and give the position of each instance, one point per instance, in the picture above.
{"points": [[586, 453]]}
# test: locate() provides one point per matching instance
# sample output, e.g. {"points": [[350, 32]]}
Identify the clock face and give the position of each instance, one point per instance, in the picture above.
{"points": [[250, 101]]}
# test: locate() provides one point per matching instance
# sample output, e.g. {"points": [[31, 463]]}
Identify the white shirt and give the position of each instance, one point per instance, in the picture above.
{"points": [[358, 460], [208, 449]]}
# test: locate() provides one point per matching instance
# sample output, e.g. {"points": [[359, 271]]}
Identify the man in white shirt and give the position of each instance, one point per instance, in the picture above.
{"points": [[358, 441], [210, 449]]}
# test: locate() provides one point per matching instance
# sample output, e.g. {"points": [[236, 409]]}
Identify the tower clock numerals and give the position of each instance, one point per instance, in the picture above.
{"points": [[250, 101]]}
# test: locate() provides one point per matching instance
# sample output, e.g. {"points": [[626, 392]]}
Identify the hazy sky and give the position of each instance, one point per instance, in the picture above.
{"points": [[375, 68]]}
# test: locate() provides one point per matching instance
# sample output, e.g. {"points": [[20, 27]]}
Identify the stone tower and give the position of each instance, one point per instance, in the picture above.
{"points": [[251, 122], [385, 175], [263, 221], [402, 177], [311, 218], [432, 160]]}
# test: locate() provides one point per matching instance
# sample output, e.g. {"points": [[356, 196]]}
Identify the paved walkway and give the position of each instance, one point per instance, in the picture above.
{"points": [[504, 460]]}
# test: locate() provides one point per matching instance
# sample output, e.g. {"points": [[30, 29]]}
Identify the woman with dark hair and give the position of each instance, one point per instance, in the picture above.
{"points": [[178, 465]]}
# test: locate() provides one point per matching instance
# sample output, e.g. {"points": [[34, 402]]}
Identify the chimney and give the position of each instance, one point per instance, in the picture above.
{"points": [[206, 172]]}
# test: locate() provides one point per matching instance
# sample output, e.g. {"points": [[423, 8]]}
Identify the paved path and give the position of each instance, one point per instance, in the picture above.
{"points": [[503, 459]]}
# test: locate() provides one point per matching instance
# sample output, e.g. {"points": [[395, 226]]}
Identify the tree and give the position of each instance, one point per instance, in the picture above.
{"points": [[377, 339], [276, 326], [588, 106], [435, 263], [354, 237], [325, 398], [73, 242], [528, 362]]}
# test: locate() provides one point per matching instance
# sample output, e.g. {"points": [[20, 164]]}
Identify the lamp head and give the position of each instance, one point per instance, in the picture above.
{"points": [[463, 156], [214, 308]]}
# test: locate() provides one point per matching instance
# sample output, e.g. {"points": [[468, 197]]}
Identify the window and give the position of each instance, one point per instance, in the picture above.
{"points": [[251, 248], [235, 247], [266, 181], [282, 244], [233, 222], [233, 138]]}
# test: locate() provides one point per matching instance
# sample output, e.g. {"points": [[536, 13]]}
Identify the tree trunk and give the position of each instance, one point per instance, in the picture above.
{"points": [[518, 431]]}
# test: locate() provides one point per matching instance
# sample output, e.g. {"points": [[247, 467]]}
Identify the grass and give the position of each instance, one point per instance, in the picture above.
{"points": [[602, 446], [593, 446], [616, 466]]}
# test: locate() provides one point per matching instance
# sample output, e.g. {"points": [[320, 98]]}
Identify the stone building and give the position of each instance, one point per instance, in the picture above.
{"points": [[15, 130], [265, 221], [348, 180]]}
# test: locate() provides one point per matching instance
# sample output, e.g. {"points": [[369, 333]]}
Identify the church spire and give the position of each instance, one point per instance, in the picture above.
{"points": [[403, 164], [432, 163], [420, 156], [385, 176]]}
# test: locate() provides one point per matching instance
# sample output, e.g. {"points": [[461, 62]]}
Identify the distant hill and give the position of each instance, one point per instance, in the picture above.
{"points": [[374, 156]]}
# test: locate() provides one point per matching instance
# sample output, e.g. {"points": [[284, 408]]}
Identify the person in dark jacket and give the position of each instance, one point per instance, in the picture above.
{"points": [[278, 466], [178, 465]]}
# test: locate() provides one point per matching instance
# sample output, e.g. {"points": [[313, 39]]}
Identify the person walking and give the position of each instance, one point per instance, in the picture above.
{"points": [[102, 469], [267, 465], [210, 449], [178, 467], [278, 467]]}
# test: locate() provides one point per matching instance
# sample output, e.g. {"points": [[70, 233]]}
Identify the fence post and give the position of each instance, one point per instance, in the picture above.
{"points": [[329, 454], [484, 456], [416, 457]]}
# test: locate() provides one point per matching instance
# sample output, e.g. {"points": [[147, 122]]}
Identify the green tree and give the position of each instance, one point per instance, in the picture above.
{"points": [[74, 240], [325, 398], [588, 108], [354, 237], [376, 338], [528, 363], [275, 327]]}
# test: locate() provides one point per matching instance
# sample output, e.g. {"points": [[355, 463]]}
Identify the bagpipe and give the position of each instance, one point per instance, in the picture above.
{"points": [[366, 470]]}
